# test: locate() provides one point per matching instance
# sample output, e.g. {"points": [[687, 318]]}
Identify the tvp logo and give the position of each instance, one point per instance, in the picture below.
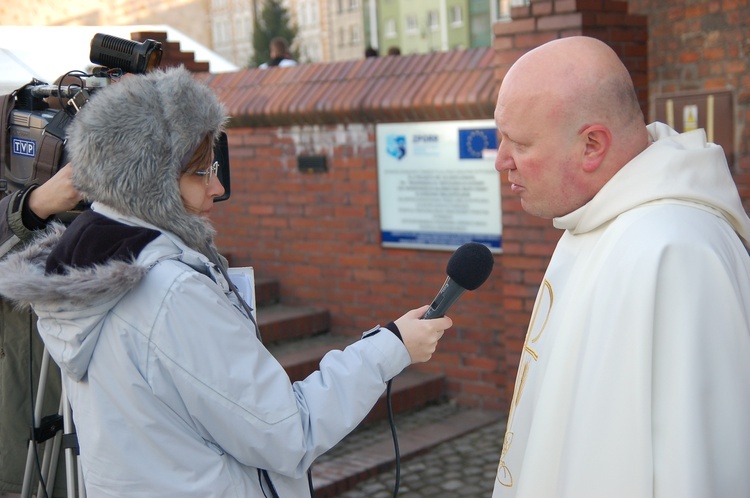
{"points": [[472, 142], [396, 146], [21, 147]]}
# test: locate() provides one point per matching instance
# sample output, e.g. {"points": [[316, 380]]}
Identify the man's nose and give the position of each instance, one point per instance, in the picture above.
{"points": [[503, 161]]}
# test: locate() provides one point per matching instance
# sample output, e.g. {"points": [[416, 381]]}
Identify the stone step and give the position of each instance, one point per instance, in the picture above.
{"points": [[298, 337], [302, 357], [278, 322], [411, 388], [267, 292], [370, 451]]}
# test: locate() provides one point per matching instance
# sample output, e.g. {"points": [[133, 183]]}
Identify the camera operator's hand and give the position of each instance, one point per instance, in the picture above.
{"points": [[56, 195], [421, 336]]}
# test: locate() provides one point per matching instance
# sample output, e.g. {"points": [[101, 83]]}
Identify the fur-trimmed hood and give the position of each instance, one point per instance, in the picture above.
{"points": [[23, 277], [79, 300], [130, 141], [73, 283]]}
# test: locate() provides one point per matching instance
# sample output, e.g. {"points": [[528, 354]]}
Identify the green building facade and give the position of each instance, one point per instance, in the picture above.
{"points": [[422, 26]]}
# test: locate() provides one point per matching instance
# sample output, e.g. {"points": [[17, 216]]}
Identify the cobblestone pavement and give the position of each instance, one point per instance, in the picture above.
{"points": [[464, 467]]}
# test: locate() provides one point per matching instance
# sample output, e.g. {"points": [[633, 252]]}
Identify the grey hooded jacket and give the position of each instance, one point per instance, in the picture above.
{"points": [[172, 392]]}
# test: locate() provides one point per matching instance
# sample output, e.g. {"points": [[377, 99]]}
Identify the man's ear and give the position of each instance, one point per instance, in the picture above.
{"points": [[597, 140]]}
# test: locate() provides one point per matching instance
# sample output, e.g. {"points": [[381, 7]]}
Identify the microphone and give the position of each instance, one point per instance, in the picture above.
{"points": [[468, 268]]}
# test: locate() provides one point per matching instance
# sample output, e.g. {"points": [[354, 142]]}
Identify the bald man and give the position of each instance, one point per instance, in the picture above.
{"points": [[634, 379]]}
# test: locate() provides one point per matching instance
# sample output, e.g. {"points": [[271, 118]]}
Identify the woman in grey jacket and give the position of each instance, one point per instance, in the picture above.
{"points": [[172, 392]]}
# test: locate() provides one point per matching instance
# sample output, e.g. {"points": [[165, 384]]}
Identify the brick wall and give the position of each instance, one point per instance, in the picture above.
{"points": [[703, 45], [171, 55], [318, 234]]}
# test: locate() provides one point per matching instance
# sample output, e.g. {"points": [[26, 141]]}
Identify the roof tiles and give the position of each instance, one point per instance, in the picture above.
{"points": [[459, 84]]}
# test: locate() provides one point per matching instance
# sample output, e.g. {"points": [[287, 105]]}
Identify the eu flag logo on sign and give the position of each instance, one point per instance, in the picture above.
{"points": [[472, 142]]}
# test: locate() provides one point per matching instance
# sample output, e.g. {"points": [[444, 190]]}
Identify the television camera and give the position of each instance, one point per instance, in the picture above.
{"points": [[35, 116]]}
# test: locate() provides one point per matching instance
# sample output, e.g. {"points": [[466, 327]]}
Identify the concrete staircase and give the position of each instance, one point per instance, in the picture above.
{"points": [[299, 337]]}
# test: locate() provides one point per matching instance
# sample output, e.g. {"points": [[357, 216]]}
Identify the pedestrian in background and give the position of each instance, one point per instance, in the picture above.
{"points": [[280, 54]]}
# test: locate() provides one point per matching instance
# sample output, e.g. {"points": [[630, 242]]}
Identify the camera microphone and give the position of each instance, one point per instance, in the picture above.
{"points": [[467, 269], [128, 55]]}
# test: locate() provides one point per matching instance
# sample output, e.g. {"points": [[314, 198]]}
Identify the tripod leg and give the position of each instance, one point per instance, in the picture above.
{"points": [[71, 461], [28, 475], [56, 451], [31, 455], [51, 454], [81, 487]]}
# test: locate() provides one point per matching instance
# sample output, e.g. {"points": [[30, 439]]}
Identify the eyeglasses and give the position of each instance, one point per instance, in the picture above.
{"points": [[209, 172]]}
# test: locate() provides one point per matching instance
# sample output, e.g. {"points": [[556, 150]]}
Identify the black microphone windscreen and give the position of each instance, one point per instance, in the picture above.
{"points": [[470, 265]]}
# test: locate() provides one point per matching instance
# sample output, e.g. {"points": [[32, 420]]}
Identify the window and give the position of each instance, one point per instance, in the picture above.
{"points": [[354, 34], [301, 13], [312, 52], [216, 34], [352, 4], [390, 28], [456, 16], [433, 20], [503, 7], [222, 31], [411, 24], [479, 23]]}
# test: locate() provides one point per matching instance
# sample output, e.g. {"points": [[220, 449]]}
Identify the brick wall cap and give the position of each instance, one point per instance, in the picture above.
{"points": [[389, 88]]}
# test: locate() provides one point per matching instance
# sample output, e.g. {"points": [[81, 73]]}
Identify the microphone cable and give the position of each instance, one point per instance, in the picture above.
{"points": [[395, 438]]}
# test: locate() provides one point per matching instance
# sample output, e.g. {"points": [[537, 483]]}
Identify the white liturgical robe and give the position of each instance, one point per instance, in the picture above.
{"points": [[634, 380]]}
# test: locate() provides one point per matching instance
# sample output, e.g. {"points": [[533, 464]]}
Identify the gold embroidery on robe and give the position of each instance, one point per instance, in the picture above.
{"points": [[544, 300]]}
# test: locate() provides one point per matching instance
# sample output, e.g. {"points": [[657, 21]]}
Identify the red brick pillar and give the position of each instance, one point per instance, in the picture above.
{"points": [[172, 54], [528, 241], [608, 20]]}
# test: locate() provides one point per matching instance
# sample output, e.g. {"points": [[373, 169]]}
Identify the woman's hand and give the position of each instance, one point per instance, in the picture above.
{"points": [[421, 336]]}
